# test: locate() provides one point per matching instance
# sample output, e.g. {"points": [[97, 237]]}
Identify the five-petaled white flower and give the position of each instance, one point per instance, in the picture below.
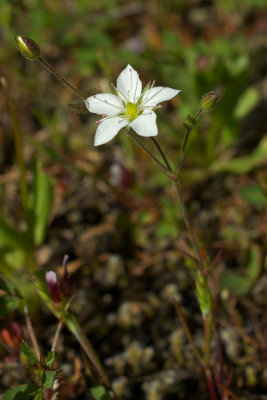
{"points": [[129, 108]]}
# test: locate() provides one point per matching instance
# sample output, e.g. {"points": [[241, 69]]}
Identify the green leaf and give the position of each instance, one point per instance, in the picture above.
{"points": [[249, 99], [244, 164], [42, 203], [236, 283], [29, 354], [39, 395], [49, 361], [21, 392], [12, 238], [8, 304], [7, 286], [48, 379], [253, 194], [254, 262], [100, 393]]}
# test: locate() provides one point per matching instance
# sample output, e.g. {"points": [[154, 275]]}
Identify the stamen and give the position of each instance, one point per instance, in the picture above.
{"points": [[109, 116]]}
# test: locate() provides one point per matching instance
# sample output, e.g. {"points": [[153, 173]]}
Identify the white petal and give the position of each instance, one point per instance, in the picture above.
{"points": [[145, 124], [129, 85], [156, 95], [108, 129], [105, 103]]}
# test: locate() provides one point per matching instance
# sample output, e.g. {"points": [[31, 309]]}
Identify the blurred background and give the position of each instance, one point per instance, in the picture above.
{"points": [[113, 212]]}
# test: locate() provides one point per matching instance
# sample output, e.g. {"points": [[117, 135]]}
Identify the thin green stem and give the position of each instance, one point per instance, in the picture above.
{"points": [[151, 155], [182, 152], [163, 155], [57, 75], [187, 221], [189, 127]]}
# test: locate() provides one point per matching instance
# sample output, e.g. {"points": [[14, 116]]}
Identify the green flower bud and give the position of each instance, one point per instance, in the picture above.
{"points": [[189, 123], [209, 101], [27, 47], [203, 295]]}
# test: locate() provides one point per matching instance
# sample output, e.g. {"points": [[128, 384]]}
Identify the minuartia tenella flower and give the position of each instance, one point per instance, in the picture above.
{"points": [[129, 107]]}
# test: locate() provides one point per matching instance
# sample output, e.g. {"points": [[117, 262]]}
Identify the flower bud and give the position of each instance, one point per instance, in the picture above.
{"points": [[27, 47], [209, 101], [64, 284], [52, 282], [203, 295], [189, 123]]}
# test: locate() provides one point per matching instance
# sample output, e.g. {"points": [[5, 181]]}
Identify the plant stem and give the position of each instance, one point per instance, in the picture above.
{"points": [[57, 75], [59, 327], [31, 333], [187, 221], [161, 153], [188, 128], [151, 155]]}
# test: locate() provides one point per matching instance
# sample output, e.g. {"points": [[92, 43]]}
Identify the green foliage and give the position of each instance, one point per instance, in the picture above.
{"points": [[48, 379], [8, 304], [31, 357], [235, 282], [41, 203], [21, 392], [249, 100], [241, 283], [7, 286], [253, 195], [49, 361], [100, 393]]}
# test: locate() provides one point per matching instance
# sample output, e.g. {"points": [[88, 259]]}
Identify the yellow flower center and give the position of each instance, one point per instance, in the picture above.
{"points": [[131, 111]]}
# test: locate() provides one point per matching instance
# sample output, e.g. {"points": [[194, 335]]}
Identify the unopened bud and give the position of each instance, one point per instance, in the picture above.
{"points": [[27, 47], [189, 123], [209, 101], [64, 284], [203, 295], [52, 282]]}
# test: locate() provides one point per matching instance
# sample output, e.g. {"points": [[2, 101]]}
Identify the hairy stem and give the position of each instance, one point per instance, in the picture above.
{"points": [[57, 75]]}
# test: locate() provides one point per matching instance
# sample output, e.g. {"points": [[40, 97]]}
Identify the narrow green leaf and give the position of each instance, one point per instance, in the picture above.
{"points": [[236, 283], [243, 164], [21, 392], [7, 305], [29, 354], [254, 262], [42, 203], [39, 395], [253, 194], [48, 379], [100, 393], [249, 99]]}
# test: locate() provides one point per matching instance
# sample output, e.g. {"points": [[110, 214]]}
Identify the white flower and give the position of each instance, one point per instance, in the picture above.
{"points": [[129, 108]]}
